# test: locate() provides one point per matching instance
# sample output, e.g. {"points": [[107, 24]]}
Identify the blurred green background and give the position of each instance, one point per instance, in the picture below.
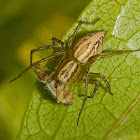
{"points": [[24, 23]]}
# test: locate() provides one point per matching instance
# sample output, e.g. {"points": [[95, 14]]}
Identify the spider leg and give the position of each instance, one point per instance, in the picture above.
{"points": [[114, 54], [58, 41], [99, 75], [40, 49], [86, 96], [97, 57], [95, 88], [37, 62], [76, 30], [60, 61]]}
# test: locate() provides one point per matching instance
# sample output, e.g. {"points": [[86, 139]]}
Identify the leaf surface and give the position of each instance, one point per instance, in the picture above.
{"points": [[106, 116]]}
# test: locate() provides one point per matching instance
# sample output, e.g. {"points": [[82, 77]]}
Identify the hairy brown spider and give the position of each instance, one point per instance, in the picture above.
{"points": [[73, 66]]}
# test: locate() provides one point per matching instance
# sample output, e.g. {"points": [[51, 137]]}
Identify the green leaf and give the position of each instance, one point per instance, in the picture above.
{"points": [[105, 116]]}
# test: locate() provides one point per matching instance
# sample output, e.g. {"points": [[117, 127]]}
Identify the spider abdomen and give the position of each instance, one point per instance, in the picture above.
{"points": [[89, 46]]}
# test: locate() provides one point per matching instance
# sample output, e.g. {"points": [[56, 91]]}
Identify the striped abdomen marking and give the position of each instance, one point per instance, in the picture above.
{"points": [[68, 71], [88, 46]]}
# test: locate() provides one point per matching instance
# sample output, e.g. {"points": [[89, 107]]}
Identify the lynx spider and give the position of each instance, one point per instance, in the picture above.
{"points": [[73, 66]]}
